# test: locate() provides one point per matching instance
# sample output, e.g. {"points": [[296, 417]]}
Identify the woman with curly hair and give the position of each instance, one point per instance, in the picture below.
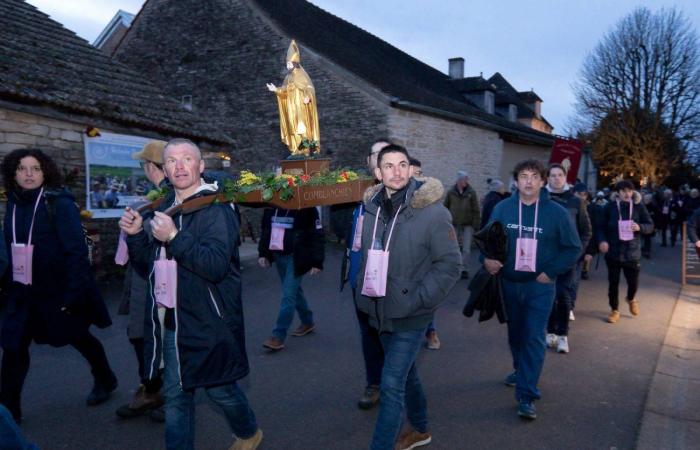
{"points": [[51, 294]]}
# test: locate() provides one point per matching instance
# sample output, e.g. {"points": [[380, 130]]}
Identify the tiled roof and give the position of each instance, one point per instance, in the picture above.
{"points": [[506, 94], [45, 64], [472, 84], [392, 71], [529, 97]]}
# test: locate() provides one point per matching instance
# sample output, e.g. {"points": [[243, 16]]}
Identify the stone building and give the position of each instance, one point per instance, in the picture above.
{"points": [[217, 55], [54, 86]]}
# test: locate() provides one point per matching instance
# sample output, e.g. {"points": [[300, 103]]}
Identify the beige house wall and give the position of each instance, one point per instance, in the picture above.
{"points": [[444, 147], [513, 153]]}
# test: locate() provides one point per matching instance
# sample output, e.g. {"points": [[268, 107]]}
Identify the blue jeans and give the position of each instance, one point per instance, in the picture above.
{"points": [[10, 434], [400, 385], [372, 350], [179, 404], [292, 298], [528, 306]]}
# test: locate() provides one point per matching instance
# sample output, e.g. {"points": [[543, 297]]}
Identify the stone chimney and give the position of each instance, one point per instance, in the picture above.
{"points": [[456, 68]]}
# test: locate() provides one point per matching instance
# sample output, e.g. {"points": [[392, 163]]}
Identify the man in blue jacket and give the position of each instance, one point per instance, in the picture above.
{"points": [[199, 334], [542, 244]]}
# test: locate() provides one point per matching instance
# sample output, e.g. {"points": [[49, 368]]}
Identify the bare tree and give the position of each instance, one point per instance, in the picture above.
{"points": [[647, 66]]}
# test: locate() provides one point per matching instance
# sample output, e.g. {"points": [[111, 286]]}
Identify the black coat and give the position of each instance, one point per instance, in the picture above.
{"points": [[60, 271], [607, 229], [305, 241], [208, 315], [490, 201], [486, 289]]}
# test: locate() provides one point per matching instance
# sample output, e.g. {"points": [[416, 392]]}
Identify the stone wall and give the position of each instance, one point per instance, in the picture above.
{"points": [[444, 147], [224, 65], [63, 141], [514, 153]]}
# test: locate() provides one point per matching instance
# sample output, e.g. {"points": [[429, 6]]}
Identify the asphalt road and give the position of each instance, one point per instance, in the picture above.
{"points": [[305, 395]]}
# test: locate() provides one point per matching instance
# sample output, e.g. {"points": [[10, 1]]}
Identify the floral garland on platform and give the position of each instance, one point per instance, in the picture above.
{"points": [[269, 183]]}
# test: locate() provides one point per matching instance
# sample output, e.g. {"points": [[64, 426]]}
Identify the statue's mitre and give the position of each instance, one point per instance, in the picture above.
{"points": [[293, 53]]}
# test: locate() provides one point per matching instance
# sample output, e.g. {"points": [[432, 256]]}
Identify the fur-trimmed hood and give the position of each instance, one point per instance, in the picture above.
{"points": [[636, 197], [423, 191]]}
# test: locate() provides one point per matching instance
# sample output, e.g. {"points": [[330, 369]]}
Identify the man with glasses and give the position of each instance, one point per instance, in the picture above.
{"points": [[542, 244]]}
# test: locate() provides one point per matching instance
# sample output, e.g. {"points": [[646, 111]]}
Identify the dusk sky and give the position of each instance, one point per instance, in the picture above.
{"points": [[536, 44]]}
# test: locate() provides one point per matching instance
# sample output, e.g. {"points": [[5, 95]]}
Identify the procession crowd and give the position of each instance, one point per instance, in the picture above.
{"points": [[408, 243]]}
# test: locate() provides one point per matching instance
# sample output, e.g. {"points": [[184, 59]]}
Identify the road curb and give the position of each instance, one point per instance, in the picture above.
{"points": [[671, 418]]}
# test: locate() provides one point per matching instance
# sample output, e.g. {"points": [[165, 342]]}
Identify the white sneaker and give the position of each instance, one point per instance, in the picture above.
{"points": [[551, 340], [562, 344], [571, 315]]}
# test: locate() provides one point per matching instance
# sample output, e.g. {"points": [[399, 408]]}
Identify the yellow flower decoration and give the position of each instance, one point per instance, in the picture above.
{"points": [[248, 178]]}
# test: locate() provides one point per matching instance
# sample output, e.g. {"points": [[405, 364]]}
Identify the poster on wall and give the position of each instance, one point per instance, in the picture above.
{"points": [[114, 179]]}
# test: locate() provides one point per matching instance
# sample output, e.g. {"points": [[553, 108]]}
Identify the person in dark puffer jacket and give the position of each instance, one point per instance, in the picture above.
{"points": [[301, 252], [623, 255], [62, 301]]}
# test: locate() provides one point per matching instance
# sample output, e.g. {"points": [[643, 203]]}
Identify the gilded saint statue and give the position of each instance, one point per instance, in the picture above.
{"points": [[296, 99]]}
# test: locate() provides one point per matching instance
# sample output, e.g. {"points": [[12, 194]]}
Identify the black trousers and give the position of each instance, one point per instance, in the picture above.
{"points": [[15, 366], [676, 231], [631, 271], [646, 245], [563, 301], [153, 385], [663, 228]]}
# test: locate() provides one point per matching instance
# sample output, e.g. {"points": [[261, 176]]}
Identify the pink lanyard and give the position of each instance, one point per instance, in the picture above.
{"points": [[31, 227], [391, 230], [520, 220], [619, 213]]}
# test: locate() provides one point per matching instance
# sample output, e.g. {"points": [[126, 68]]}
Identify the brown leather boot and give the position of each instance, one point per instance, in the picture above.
{"points": [[614, 316]]}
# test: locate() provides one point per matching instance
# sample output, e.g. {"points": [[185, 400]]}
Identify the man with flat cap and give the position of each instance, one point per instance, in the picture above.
{"points": [[147, 398]]}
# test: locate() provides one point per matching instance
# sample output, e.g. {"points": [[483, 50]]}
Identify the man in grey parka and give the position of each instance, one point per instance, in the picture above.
{"points": [[406, 219]]}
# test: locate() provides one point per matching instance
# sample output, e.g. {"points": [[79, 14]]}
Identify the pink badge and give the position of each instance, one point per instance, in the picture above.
{"points": [[165, 289], [22, 254], [122, 255], [377, 265], [526, 248], [277, 237], [526, 254], [22, 263], [376, 273], [624, 227], [664, 210]]}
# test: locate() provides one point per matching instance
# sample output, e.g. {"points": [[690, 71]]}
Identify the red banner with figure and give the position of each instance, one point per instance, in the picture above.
{"points": [[567, 152]]}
